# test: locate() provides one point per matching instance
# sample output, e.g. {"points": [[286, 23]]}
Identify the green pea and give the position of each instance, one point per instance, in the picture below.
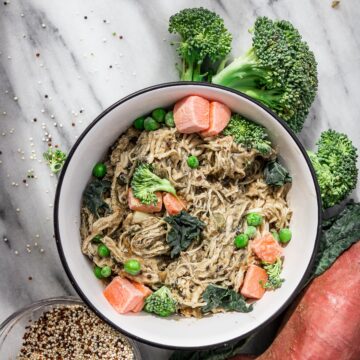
{"points": [[159, 115], [97, 272], [132, 267], [150, 124], [169, 119], [96, 239], [250, 231], [103, 250], [106, 271], [193, 161], [99, 170], [254, 219], [275, 235], [139, 123], [241, 241], [285, 235]]}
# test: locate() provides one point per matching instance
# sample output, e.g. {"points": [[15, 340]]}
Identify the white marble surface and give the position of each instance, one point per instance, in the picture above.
{"points": [[73, 70]]}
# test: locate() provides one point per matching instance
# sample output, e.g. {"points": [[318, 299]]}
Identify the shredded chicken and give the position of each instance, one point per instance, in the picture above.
{"points": [[227, 185]]}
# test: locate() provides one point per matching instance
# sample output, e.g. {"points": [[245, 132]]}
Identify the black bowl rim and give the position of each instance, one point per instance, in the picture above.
{"points": [[58, 194]]}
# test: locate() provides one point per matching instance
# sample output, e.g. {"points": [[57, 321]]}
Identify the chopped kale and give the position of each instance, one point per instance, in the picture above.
{"points": [[184, 229], [338, 235], [275, 174], [227, 299], [93, 197]]}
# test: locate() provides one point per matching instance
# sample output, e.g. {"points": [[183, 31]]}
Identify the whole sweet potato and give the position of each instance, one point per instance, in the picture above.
{"points": [[325, 324]]}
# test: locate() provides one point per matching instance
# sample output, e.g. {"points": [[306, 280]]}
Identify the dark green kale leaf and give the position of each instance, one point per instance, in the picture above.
{"points": [[93, 197], [275, 174], [227, 299], [337, 237], [184, 229], [220, 353]]}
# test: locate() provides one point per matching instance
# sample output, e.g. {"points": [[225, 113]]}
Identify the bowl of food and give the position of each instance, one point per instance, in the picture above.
{"points": [[41, 331], [187, 215]]}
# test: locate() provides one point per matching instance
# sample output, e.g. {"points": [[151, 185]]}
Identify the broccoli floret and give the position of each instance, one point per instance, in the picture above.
{"points": [[248, 134], [203, 38], [145, 183], [273, 271], [279, 70], [55, 159], [160, 302], [335, 167]]}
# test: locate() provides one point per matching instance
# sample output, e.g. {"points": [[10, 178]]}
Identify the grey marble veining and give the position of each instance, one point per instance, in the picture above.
{"points": [[62, 70]]}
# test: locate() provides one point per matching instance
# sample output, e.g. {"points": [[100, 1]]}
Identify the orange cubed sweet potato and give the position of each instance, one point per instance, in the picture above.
{"points": [[145, 291], [219, 117], [267, 248], [122, 295], [191, 114], [136, 205], [254, 282], [173, 204]]}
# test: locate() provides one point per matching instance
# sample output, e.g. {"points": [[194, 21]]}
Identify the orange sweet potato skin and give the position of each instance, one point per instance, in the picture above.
{"points": [[325, 324]]}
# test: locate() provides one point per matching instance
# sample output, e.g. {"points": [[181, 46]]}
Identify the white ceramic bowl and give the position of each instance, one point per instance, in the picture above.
{"points": [[303, 198]]}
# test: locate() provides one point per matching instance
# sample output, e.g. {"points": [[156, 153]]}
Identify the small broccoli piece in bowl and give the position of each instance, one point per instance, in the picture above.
{"points": [[55, 159], [274, 271], [278, 70], [335, 167], [203, 38], [248, 134], [145, 183], [161, 303]]}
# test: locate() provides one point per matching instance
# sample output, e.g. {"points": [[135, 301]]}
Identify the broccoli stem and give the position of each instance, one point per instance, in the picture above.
{"points": [[192, 71], [187, 71], [244, 74], [221, 65], [238, 70], [197, 76], [268, 97]]}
